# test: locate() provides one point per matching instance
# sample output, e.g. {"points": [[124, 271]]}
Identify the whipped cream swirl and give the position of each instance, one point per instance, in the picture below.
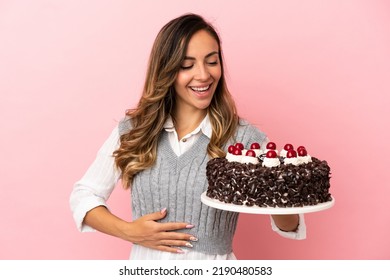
{"points": [[249, 159], [271, 162], [233, 158], [304, 159], [258, 152], [294, 161], [283, 153]]}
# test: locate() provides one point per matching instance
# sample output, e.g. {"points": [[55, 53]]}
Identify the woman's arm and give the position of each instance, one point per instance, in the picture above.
{"points": [[144, 231], [88, 204]]}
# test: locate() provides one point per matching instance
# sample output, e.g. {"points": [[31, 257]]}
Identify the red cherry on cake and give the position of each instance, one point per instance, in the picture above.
{"points": [[271, 154], [288, 147], [300, 147], [291, 154], [302, 152], [239, 145], [255, 146], [237, 152], [271, 146], [231, 149], [250, 153]]}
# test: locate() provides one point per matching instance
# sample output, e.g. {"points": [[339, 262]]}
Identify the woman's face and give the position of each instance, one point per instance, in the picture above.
{"points": [[199, 75]]}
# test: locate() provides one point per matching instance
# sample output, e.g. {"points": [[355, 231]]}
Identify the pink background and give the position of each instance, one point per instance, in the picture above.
{"points": [[307, 72]]}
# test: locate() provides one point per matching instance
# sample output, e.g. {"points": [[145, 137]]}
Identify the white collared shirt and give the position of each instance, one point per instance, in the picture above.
{"points": [[182, 145]]}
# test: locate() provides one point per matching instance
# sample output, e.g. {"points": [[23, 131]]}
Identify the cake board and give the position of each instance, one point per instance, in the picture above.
{"points": [[265, 210]]}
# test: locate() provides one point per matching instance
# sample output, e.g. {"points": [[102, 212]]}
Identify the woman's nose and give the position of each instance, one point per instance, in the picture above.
{"points": [[202, 73]]}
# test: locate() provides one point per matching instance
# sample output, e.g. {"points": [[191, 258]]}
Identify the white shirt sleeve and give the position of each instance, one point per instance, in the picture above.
{"points": [[299, 234], [97, 184]]}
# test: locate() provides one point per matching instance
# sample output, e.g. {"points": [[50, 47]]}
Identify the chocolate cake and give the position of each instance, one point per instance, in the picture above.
{"points": [[268, 178]]}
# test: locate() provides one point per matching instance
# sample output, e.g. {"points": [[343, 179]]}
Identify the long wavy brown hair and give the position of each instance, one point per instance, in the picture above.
{"points": [[138, 147]]}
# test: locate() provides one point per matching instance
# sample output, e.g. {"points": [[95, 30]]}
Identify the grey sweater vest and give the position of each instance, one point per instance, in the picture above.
{"points": [[176, 183]]}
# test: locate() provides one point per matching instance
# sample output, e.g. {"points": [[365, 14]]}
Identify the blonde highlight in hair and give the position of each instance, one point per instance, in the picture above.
{"points": [[138, 147]]}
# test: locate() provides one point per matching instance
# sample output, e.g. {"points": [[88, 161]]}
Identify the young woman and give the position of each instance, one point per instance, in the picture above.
{"points": [[185, 117]]}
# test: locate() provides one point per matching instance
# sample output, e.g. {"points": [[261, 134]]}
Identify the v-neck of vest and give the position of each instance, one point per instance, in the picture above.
{"points": [[188, 155]]}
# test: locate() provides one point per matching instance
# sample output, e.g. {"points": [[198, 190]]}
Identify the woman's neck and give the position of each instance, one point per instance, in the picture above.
{"points": [[186, 122]]}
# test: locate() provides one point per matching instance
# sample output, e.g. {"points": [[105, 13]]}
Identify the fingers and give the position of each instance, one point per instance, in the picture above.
{"points": [[162, 236], [174, 226], [169, 242], [156, 215], [175, 236], [172, 246], [176, 243], [166, 226]]}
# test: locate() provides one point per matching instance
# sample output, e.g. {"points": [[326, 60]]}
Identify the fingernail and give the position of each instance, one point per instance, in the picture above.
{"points": [[179, 251], [189, 226], [163, 211], [188, 244], [192, 238]]}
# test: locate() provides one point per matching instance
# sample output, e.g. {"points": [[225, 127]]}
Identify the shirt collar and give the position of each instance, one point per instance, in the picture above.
{"points": [[204, 126], [168, 125]]}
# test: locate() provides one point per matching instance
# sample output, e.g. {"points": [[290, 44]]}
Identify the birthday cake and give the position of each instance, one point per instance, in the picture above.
{"points": [[268, 178]]}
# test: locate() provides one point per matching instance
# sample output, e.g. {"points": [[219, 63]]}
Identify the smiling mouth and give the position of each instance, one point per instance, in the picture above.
{"points": [[201, 89]]}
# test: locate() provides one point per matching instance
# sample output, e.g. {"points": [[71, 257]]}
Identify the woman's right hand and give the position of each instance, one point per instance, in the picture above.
{"points": [[145, 231]]}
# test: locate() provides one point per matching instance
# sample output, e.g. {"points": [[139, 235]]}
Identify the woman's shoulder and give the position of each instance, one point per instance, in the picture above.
{"points": [[245, 125], [246, 129], [124, 125], [243, 122]]}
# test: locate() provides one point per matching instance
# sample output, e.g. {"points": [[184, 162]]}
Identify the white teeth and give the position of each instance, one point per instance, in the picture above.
{"points": [[200, 88]]}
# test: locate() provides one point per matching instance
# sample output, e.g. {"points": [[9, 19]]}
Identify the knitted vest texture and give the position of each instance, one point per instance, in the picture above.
{"points": [[177, 182]]}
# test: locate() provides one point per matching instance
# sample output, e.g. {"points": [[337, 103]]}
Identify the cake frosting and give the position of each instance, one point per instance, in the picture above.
{"points": [[270, 179]]}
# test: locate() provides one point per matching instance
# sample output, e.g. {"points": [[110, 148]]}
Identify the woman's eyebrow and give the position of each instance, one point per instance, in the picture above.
{"points": [[207, 56]]}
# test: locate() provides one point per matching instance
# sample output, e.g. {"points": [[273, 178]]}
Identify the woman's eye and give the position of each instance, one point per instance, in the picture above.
{"points": [[213, 62], [185, 67]]}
